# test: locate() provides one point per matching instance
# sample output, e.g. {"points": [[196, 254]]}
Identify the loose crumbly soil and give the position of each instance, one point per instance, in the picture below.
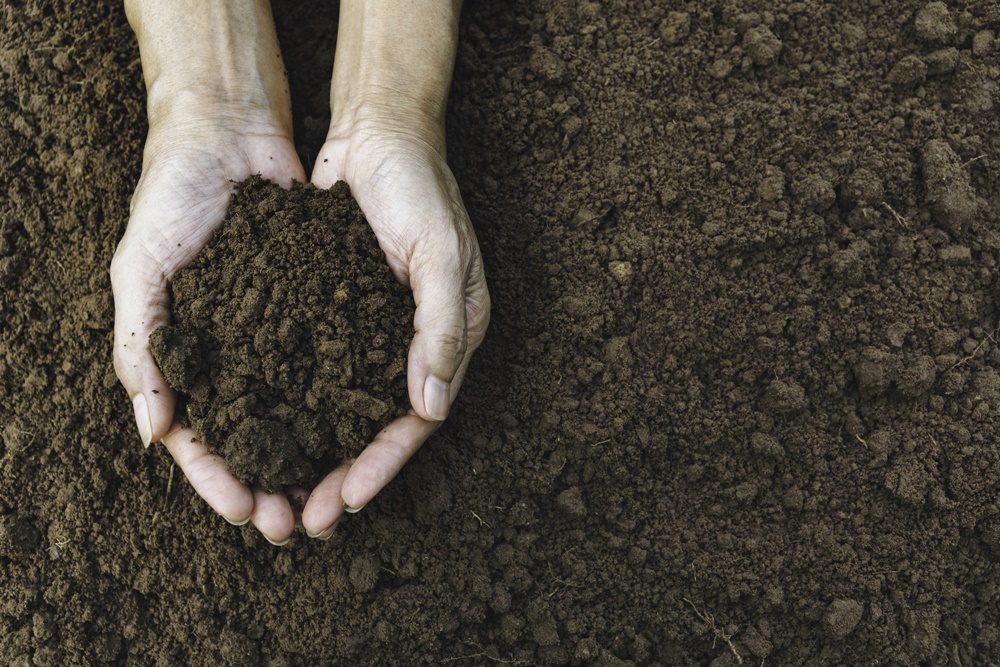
{"points": [[739, 399], [290, 335]]}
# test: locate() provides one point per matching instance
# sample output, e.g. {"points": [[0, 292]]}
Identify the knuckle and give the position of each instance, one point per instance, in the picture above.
{"points": [[479, 320], [450, 343]]}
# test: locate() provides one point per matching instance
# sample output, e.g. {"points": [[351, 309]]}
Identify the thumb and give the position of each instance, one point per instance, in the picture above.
{"points": [[141, 305], [440, 337]]}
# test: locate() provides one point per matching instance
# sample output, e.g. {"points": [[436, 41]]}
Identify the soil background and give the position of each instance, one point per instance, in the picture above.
{"points": [[739, 399]]}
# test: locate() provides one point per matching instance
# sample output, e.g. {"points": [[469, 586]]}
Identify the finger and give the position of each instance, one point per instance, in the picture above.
{"points": [[325, 505], [382, 460], [141, 305], [272, 515], [208, 474], [440, 335]]}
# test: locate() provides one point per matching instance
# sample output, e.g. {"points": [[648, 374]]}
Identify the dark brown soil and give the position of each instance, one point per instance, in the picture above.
{"points": [[740, 395], [290, 335]]}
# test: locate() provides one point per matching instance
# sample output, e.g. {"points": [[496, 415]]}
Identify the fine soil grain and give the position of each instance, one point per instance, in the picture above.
{"points": [[290, 335], [740, 398]]}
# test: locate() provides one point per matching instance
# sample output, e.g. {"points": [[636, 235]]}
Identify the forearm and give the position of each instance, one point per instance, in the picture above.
{"points": [[205, 57], [393, 66]]}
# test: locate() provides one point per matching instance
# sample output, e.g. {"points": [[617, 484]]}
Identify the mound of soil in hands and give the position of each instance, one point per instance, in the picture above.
{"points": [[290, 334], [740, 398]]}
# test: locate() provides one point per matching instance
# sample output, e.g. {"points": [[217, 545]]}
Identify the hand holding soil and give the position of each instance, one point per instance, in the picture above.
{"points": [[412, 202], [219, 113]]}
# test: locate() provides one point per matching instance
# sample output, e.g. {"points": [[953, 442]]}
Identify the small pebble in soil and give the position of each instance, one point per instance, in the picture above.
{"points": [[933, 23], [762, 45], [948, 188], [842, 617], [675, 28], [908, 72]]}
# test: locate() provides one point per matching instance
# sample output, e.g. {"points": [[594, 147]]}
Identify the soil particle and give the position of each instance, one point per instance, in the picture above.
{"points": [[675, 27], [762, 45], [908, 479], [908, 72], [364, 573], [948, 188], [290, 336], [863, 187], [916, 375], [842, 617], [19, 537], [934, 23], [772, 186], [983, 43], [942, 61], [571, 502], [547, 65], [815, 192], [784, 396]]}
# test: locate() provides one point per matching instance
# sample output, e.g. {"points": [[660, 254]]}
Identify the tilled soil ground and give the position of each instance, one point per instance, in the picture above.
{"points": [[738, 404]]}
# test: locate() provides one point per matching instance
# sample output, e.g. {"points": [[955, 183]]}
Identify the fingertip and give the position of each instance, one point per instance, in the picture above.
{"points": [[325, 507], [359, 489], [142, 421], [235, 507], [272, 516], [325, 534]]}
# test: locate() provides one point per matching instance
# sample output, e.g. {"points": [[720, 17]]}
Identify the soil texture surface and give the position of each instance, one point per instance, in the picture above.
{"points": [[739, 403], [290, 335]]}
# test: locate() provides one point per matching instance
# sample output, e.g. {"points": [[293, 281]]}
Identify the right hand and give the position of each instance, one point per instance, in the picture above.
{"points": [[190, 164]]}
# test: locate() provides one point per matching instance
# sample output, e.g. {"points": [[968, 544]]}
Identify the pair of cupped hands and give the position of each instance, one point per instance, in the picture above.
{"points": [[403, 185]]}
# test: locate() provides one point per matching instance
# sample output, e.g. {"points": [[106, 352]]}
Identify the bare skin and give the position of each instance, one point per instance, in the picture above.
{"points": [[219, 111]]}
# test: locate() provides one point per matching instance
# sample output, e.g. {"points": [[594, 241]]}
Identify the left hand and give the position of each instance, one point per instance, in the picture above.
{"points": [[411, 200]]}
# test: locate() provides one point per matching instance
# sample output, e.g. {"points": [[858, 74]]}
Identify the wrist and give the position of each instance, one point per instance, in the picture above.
{"points": [[382, 114], [195, 109], [211, 62], [392, 69]]}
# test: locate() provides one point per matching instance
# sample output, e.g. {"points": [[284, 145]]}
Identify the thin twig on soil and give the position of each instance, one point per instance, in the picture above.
{"points": [[861, 440], [903, 222], [482, 522], [58, 546], [972, 355], [562, 582], [483, 654], [170, 485], [709, 620], [975, 159]]}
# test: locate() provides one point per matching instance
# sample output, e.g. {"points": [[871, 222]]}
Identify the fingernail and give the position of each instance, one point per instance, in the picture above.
{"points": [[277, 544], [237, 523], [352, 510], [323, 534], [142, 421], [437, 398]]}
